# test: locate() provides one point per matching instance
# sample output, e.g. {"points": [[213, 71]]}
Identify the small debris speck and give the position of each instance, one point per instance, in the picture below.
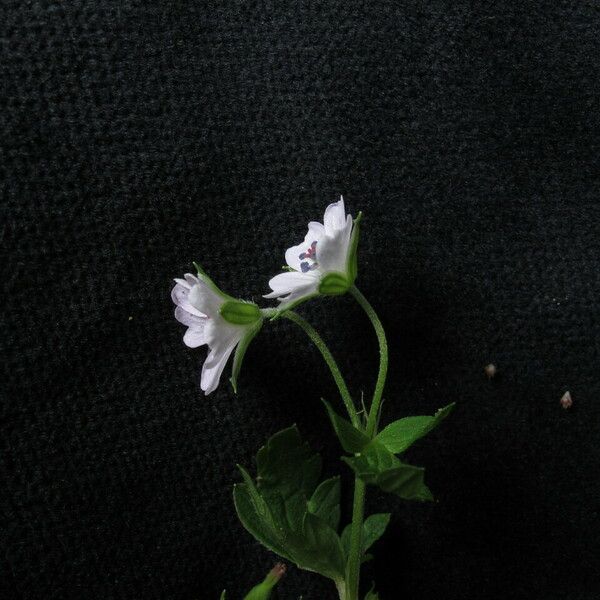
{"points": [[490, 370], [130, 319], [566, 401]]}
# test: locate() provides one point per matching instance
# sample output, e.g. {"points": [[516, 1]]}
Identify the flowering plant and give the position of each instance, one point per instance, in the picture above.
{"points": [[285, 507]]}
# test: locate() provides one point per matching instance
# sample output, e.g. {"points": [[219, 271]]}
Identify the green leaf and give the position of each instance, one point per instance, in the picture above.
{"points": [[352, 266], [374, 527], [325, 502], [352, 439], [240, 352], [287, 465], [376, 465], [222, 595], [285, 512], [256, 517], [401, 434], [321, 549]]}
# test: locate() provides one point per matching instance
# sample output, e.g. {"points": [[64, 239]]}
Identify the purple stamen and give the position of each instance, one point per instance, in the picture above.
{"points": [[310, 254]]}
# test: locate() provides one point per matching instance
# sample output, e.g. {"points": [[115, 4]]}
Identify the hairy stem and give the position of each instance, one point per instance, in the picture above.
{"points": [[355, 554], [350, 590], [333, 367], [373, 417], [344, 590]]}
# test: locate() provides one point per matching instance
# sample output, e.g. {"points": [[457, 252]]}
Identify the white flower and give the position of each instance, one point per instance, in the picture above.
{"points": [[217, 320], [325, 262]]}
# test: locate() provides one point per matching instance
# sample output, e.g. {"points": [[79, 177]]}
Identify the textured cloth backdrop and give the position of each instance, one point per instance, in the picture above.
{"points": [[140, 135]]}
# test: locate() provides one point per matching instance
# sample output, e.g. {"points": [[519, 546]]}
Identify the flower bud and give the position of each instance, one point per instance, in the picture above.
{"points": [[263, 590]]}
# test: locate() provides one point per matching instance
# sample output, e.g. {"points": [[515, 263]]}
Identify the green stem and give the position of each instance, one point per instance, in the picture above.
{"points": [[355, 553], [333, 367], [373, 417], [345, 592], [358, 508]]}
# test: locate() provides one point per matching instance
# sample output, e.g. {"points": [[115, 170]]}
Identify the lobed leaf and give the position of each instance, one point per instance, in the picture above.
{"points": [[287, 512], [287, 465]]}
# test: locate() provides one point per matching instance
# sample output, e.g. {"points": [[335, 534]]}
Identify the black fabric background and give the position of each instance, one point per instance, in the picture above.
{"points": [[138, 136]]}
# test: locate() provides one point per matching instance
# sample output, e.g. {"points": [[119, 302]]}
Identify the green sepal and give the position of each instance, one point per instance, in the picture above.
{"points": [[352, 439], [352, 264], [210, 283], [376, 465], [401, 434], [334, 284], [374, 527], [240, 352], [286, 511], [238, 312]]}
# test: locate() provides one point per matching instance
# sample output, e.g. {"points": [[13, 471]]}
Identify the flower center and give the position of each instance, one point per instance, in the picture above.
{"points": [[309, 259]]}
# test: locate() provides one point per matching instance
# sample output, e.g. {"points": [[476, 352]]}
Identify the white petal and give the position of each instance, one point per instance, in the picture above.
{"points": [[204, 299], [191, 279], [332, 253], [182, 282], [194, 336], [214, 364], [187, 318], [289, 287], [335, 216], [180, 296], [292, 255], [286, 283]]}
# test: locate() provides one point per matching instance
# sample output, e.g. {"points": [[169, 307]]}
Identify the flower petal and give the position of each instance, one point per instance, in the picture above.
{"points": [[215, 363], [335, 216], [191, 279], [291, 287], [205, 299], [292, 255], [287, 283], [180, 296], [187, 318], [333, 249], [195, 336]]}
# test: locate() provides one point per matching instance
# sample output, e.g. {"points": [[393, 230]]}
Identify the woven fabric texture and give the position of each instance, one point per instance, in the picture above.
{"points": [[138, 136]]}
